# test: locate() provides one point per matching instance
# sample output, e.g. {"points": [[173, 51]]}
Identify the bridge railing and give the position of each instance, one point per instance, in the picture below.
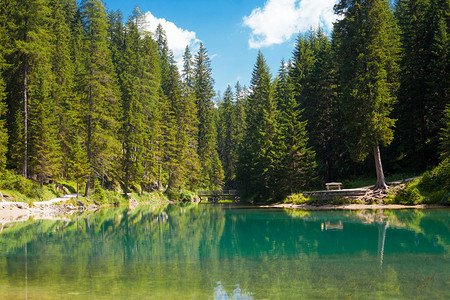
{"points": [[218, 193]]}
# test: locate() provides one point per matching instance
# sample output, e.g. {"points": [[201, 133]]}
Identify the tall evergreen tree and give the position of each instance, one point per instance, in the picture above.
{"points": [[424, 79], [367, 50], [227, 136], [257, 158], [62, 89], [100, 93], [211, 168], [295, 162], [445, 135], [4, 14], [313, 77], [28, 30]]}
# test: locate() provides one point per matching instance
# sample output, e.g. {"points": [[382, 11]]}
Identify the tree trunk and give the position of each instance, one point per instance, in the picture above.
{"points": [[126, 180], [381, 181], [25, 106], [89, 142]]}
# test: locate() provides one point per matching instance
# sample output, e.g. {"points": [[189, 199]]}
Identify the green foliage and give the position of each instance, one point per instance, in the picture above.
{"points": [[295, 161], [432, 188], [114, 198], [410, 196], [297, 199], [24, 189], [445, 135], [424, 80], [84, 96], [313, 79], [256, 156], [211, 167], [180, 195]]}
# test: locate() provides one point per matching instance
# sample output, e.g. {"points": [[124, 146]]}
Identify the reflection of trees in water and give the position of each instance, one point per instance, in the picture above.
{"points": [[190, 248]]}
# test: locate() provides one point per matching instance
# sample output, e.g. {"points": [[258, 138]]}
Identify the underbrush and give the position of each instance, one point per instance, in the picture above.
{"points": [[25, 190], [184, 195], [432, 188], [297, 199], [149, 197]]}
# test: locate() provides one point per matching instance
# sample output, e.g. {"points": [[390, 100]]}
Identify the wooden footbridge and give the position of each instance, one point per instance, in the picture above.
{"points": [[214, 196]]}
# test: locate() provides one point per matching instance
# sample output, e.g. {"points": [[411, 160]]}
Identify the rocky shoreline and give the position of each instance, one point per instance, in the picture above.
{"points": [[21, 211]]}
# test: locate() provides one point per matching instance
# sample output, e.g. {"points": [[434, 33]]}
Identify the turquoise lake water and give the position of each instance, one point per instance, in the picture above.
{"points": [[228, 252]]}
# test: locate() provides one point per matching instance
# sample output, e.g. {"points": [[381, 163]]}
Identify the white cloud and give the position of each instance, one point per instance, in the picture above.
{"points": [[278, 20], [177, 38]]}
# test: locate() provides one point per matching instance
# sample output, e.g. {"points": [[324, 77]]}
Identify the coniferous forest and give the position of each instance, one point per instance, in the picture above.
{"points": [[88, 96]]}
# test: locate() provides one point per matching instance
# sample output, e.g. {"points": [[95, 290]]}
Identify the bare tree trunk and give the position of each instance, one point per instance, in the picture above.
{"points": [[25, 107], [126, 179], [89, 142], [381, 181]]}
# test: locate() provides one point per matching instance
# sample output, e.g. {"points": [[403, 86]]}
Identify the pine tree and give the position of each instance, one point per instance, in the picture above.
{"points": [[257, 158], [3, 109], [227, 136], [424, 79], [62, 89], [367, 50], [175, 139], [78, 166], [211, 168], [133, 117], [314, 81], [295, 163], [100, 92], [28, 30], [445, 135]]}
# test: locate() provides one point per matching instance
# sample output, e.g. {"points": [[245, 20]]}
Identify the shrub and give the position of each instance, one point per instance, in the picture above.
{"points": [[410, 196], [183, 195], [113, 197], [99, 195], [297, 199]]}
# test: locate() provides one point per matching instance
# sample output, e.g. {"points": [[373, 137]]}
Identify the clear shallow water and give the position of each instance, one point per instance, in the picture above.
{"points": [[220, 252]]}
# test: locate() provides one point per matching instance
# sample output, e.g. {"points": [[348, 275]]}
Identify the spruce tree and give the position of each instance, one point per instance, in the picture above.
{"points": [[227, 136], [3, 108], [62, 89], [445, 135], [257, 158], [211, 168], [367, 50], [424, 80], [28, 30], [100, 94], [313, 77], [295, 163]]}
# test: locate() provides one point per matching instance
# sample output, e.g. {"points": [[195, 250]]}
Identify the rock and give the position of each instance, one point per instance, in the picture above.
{"points": [[92, 206], [133, 203], [22, 205]]}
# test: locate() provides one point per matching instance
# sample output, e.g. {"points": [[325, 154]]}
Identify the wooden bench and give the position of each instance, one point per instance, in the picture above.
{"points": [[333, 184]]}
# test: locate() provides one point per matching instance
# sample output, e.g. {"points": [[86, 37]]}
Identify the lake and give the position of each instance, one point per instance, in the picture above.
{"points": [[228, 252]]}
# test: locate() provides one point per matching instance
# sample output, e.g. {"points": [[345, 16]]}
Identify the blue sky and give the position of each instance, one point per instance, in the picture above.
{"points": [[233, 31]]}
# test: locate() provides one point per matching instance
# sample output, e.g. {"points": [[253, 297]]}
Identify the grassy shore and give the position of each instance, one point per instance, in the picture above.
{"points": [[432, 187]]}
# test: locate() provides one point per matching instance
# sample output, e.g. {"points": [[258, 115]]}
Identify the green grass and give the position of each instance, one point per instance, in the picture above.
{"points": [[25, 190], [368, 181], [432, 188], [155, 197]]}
